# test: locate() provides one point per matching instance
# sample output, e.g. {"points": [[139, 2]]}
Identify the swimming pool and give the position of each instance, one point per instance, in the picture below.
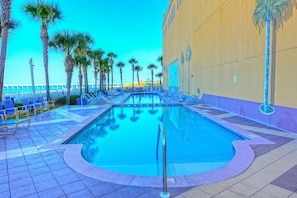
{"points": [[127, 140], [144, 98]]}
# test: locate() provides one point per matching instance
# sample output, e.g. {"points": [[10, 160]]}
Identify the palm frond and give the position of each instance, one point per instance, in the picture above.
{"points": [[44, 12], [274, 8], [152, 67], [64, 41]]}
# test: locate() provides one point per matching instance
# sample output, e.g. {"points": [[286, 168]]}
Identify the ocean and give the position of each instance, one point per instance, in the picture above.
{"points": [[7, 89], [19, 91]]}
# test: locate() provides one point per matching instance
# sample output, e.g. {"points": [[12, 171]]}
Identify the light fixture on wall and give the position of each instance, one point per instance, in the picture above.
{"points": [[234, 79], [182, 57], [188, 53]]}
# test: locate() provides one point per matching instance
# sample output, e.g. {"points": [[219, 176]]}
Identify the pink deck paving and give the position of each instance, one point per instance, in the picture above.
{"points": [[242, 160]]}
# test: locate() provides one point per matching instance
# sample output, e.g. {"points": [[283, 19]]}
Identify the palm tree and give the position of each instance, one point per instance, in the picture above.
{"points": [[47, 14], [66, 43], [160, 59], [83, 49], [85, 66], [96, 56], [159, 75], [111, 57], [122, 115], [113, 125], [152, 67], [12, 25], [5, 25], [133, 61], [138, 69], [102, 64], [265, 11], [79, 62], [121, 65], [153, 111], [107, 69], [102, 67], [134, 117]]}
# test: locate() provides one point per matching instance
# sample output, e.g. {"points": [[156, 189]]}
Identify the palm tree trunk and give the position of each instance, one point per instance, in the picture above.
{"points": [[95, 76], [267, 58], [44, 38], [85, 72], [5, 17], [152, 77], [104, 82], [101, 80], [69, 77], [138, 78], [111, 77], [133, 77], [273, 63], [107, 80], [69, 62], [121, 76], [80, 78], [4, 36]]}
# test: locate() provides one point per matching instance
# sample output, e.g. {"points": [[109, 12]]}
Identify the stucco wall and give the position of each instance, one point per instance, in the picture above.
{"points": [[228, 51], [225, 43]]}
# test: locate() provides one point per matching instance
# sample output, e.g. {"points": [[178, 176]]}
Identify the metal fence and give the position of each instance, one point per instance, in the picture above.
{"points": [[54, 94]]}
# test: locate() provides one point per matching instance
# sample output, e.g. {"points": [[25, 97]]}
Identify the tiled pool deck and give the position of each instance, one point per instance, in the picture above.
{"points": [[27, 169]]}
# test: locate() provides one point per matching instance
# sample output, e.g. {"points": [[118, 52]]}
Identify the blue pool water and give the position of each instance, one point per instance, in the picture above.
{"points": [[144, 98], [127, 140]]}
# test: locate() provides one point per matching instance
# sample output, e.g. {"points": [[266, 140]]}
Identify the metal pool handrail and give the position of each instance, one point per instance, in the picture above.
{"points": [[165, 192]]}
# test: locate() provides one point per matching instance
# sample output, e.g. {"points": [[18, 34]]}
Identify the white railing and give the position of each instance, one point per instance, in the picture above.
{"points": [[165, 192]]}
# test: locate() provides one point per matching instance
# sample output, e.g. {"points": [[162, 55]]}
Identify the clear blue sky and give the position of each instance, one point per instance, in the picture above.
{"points": [[131, 29]]}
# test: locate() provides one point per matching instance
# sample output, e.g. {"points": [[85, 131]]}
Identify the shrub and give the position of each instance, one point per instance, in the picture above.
{"points": [[62, 100], [73, 99]]}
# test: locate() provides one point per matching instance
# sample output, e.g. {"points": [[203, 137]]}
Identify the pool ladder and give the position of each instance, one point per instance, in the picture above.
{"points": [[165, 193]]}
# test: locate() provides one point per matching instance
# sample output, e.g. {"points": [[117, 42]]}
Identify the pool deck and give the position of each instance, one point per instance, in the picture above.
{"points": [[29, 169]]}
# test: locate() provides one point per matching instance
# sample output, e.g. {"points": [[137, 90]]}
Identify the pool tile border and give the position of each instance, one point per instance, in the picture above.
{"points": [[243, 158]]}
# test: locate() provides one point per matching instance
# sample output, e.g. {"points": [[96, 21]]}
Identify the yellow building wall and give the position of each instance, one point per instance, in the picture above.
{"points": [[227, 51]]}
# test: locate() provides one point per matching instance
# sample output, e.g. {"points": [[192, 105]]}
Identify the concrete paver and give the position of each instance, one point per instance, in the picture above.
{"points": [[27, 170]]}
